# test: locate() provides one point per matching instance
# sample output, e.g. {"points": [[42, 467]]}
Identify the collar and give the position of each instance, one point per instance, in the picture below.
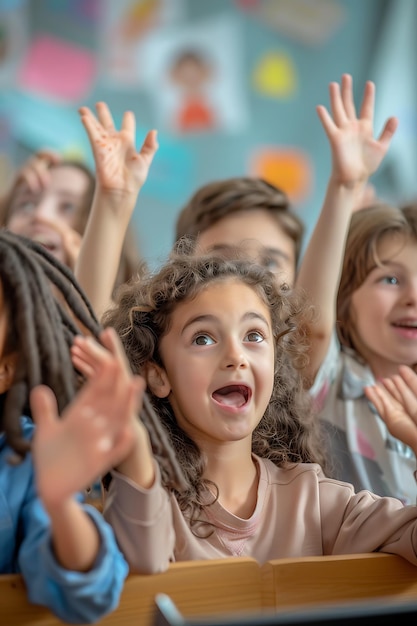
{"points": [[355, 376]]}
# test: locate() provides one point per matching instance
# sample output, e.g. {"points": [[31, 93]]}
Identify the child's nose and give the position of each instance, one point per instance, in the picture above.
{"points": [[411, 293], [235, 357], [44, 208]]}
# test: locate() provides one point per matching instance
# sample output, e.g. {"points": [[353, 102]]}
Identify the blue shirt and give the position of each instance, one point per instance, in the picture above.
{"points": [[25, 547]]}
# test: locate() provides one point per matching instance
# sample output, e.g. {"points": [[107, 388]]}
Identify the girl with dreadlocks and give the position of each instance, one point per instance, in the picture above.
{"points": [[64, 549], [219, 344]]}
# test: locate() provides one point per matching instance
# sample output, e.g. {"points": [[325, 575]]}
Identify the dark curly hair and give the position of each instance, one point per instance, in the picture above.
{"points": [[287, 432]]}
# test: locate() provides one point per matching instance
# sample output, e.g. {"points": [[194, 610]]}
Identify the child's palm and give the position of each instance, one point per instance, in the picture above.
{"points": [[395, 399], [356, 154], [118, 165], [94, 433]]}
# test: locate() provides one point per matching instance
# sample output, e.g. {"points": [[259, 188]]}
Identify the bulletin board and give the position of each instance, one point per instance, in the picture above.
{"points": [[231, 86]]}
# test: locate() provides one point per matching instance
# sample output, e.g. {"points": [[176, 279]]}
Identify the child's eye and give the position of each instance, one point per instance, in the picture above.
{"points": [[390, 280], [203, 340], [27, 206], [254, 336], [270, 263], [67, 207]]}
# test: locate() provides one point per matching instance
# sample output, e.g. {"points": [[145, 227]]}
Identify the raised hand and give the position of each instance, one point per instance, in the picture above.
{"points": [[395, 399], [356, 154], [138, 463], [35, 172], [119, 167], [95, 432]]}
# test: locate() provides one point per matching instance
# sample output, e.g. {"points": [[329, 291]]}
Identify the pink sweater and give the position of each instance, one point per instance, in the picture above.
{"points": [[299, 512]]}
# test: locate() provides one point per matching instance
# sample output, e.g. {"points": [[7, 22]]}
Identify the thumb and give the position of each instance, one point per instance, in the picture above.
{"points": [[44, 406]]}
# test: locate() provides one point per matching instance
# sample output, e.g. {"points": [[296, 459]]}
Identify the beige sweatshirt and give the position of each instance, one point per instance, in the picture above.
{"points": [[299, 512]]}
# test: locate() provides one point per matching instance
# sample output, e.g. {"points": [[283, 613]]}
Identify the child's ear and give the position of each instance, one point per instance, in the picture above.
{"points": [[157, 380], [7, 370]]}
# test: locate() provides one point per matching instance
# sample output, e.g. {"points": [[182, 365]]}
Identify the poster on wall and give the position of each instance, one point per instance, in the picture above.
{"points": [[125, 26], [13, 40], [195, 75]]}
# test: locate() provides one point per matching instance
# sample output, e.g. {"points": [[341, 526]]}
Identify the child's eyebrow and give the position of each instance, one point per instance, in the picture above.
{"points": [[249, 315], [387, 263], [218, 247], [277, 252]]}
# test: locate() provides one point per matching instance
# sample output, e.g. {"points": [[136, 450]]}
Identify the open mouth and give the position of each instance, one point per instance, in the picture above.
{"points": [[232, 395], [406, 324], [45, 242]]}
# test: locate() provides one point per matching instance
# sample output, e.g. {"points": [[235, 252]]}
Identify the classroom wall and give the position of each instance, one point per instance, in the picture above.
{"points": [[270, 65]]}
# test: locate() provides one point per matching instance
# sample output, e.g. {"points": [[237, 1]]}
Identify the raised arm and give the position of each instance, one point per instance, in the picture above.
{"points": [[137, 505], [121, 172], [356, 155]]}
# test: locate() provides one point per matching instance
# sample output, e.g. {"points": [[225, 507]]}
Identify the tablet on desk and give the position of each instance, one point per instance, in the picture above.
{"points": [[376, 613]]}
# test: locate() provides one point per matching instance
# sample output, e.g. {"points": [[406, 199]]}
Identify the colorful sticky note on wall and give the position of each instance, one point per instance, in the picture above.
{"points": [[275, 75], [38, 123], [57, 69], [290, 169]]}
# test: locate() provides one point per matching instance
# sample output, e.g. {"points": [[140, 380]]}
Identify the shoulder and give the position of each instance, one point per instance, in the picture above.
{"points": [[27, 427], [286, 475]]}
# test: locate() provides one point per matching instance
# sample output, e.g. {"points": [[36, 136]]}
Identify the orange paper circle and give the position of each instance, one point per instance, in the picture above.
{"points": [[290, 170]]}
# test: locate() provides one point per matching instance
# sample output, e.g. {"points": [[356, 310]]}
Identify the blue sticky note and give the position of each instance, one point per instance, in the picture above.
{"points": [[38, 123]]}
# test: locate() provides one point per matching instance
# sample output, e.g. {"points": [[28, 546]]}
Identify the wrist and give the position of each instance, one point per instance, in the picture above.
{"points": [[58, 508], [349, 186], [117, 201], [138, 464]]}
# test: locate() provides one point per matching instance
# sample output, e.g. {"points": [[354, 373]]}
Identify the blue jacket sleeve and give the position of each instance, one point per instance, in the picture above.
{"points": [[75, 597]]}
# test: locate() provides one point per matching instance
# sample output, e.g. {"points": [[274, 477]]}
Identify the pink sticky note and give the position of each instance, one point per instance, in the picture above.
{"points": [[58, 69]]}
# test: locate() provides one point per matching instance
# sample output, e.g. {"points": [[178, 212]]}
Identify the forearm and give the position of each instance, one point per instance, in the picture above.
{"points": [[101, 249], [139, 465], [142, 523], [75, 538], [319, 273]]}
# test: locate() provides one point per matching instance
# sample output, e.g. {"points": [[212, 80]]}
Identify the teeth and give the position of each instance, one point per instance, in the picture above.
{"points": [[40, 239]]}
